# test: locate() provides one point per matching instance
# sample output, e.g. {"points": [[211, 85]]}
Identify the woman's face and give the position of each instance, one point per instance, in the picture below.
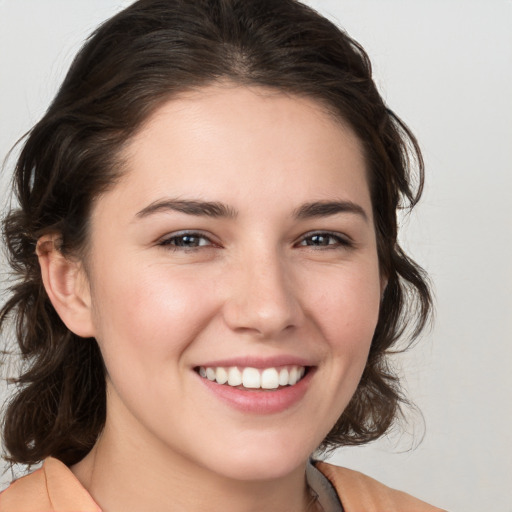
{"points": [[239, 245]]}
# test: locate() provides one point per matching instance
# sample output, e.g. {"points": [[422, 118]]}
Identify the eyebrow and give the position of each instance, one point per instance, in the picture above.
{"points": [[218, 209], [327, 208], [190, 207]]}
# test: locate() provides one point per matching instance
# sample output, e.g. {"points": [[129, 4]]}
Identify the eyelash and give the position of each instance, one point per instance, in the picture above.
{"points": [[175, 242], [170, 242], [339, 240]]}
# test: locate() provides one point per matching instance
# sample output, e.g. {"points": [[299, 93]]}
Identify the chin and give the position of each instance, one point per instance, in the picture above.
{"points": [[259, 462], [262, 470]]}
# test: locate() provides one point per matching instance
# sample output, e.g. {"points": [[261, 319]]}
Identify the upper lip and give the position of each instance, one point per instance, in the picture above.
{"points": [[259, 362]]}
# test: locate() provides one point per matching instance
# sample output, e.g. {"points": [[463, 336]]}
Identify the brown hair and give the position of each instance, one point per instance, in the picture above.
{"points": [[130, 65]]}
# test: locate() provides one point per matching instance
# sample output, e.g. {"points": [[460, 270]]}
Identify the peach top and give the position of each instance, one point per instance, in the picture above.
{"points": [[54, 488]]}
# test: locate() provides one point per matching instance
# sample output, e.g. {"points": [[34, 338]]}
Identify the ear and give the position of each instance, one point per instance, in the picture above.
{"points": [[67, 286]]}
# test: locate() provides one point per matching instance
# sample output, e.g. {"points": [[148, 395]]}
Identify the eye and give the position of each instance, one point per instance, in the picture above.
{"points": [[186, 240], [324, 240]]}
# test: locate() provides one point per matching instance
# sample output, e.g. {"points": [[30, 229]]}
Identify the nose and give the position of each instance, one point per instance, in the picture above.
{"points": [[263, 299]]}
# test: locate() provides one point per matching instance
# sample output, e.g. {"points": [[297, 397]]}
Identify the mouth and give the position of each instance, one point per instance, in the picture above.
{"points": [[249, 378]]}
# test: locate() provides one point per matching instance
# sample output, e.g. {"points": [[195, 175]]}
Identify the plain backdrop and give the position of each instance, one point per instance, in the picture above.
{"points": [[445, 66]]}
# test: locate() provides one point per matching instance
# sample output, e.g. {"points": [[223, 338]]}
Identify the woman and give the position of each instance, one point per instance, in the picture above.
{"points": [[210, 278]]}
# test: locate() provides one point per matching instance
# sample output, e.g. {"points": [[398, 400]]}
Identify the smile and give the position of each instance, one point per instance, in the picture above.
{"points": [[254, 378]]}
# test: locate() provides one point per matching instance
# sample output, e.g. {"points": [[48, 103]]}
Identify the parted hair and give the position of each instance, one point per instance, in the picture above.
{"points": [[132, 64]]}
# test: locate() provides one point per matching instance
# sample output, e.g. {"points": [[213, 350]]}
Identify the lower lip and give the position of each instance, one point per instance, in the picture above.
{"points": [[260, 401]]}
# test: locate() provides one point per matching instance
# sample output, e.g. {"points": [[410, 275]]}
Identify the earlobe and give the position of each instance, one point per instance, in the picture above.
{"points": [[67, 286]]}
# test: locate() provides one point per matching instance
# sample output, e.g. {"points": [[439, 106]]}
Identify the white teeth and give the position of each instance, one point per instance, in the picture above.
{"points": [[254, 378], [221, 375], [251, 378], [269, 378], [234, 376], [283, 377]]}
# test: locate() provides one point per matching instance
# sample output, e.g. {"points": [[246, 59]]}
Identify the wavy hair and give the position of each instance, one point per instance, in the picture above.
{"points": [[133, 63]]}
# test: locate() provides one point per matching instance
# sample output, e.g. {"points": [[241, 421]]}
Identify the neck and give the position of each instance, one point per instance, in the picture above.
{"points": [[123, 476]]}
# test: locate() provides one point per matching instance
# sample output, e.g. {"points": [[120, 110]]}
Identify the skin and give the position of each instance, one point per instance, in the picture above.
{"points": [[259, 284]]}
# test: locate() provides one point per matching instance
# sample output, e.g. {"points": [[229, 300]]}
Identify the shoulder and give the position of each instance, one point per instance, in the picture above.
{"points": [[361, 493], [26, 493], [52, 488]]}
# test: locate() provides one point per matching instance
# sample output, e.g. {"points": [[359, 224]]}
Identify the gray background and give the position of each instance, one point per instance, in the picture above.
{"points": [[446, 68]]}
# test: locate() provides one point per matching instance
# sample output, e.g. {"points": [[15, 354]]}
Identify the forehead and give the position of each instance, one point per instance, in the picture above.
{"points": [[233, 142]]}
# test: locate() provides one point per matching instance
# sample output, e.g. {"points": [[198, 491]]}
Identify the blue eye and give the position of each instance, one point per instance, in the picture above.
{"points": [[328, 240], [186, 241]]}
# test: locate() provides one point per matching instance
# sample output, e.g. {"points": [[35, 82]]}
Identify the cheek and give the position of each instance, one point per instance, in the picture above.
{"points": [[347, 315], [350, 302], [148, 312]]}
